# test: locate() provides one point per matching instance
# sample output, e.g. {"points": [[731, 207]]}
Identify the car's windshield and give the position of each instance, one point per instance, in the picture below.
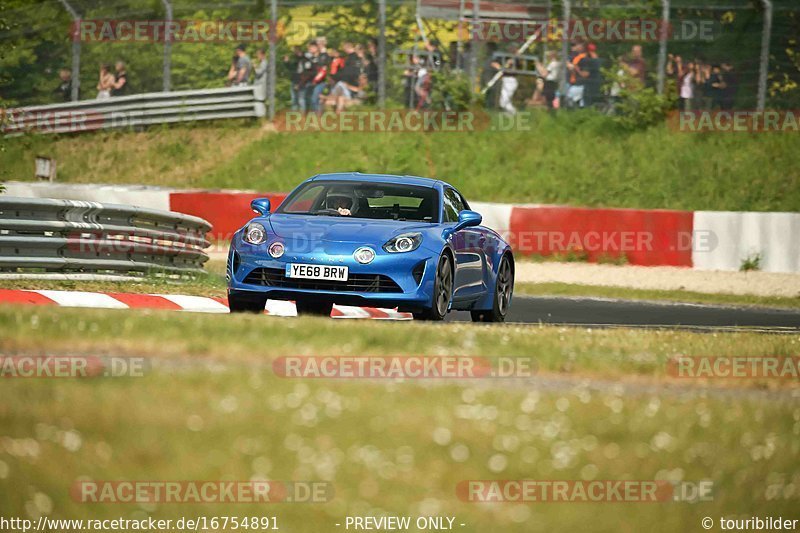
{"points": [[381, 201]]}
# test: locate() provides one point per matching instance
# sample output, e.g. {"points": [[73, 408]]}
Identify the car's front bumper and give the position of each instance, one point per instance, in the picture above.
{"points": [[406, 278]]}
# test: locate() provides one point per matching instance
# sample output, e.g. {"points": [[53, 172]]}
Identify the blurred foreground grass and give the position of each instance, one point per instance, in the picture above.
{"points": [[393, 448], [606, 353], [210, 408]]}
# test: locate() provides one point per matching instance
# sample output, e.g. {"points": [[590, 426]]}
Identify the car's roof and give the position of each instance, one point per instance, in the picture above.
{"points": [[377, 178]]}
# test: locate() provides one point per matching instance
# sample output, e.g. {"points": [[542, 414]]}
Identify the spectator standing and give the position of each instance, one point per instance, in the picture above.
{"points": [[686, 90], [372, 67], [121, 85], [635, 65], [322, 65], [508, 87], [422, 88], [294, 64], [731, 86], [551, 74], [64, 89], [104, 83], [576, 81], [589, 70], [260, 79], [243, 66], [348, 78], [717, 87], [313, 76]]}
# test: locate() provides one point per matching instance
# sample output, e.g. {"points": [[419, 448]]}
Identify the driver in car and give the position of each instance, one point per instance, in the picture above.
{"points": [[342, 204]]}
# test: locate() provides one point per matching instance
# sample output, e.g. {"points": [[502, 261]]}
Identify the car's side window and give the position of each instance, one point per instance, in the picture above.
{"points": [[452, 205], [305, 200], [464, 203]]}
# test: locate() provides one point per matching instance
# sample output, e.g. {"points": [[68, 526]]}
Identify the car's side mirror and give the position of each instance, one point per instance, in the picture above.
{"points": [[467, 219], [260, 206]]}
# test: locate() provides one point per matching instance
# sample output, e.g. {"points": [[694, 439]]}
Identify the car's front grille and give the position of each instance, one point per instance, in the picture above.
{"points": [[276, 277]]}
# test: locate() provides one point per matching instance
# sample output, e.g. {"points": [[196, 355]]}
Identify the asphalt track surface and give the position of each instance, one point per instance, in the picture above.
{"points": [[604, 312]]}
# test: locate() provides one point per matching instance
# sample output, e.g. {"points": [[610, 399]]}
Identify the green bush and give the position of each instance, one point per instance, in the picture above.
{"points": [[637, 107], [451, 91]]}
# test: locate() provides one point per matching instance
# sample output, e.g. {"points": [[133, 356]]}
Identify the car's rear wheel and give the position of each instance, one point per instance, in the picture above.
{"points": [[314, 308], [239, 303], [504, 288], [442, 292]]}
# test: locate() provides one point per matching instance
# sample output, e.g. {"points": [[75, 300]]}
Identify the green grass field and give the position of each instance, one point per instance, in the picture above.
{"points": [[602, 405], [210, 407], [578, 159]]}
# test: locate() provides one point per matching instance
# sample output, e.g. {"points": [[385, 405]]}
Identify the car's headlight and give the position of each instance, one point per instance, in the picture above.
{"points": [[406, 242], [255, 233]]}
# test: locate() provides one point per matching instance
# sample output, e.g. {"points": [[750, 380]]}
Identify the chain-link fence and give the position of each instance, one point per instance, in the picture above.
{"points": [[702, 53]]}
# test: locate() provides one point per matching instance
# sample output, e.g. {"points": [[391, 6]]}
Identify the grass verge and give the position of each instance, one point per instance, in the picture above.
{"points": [[603, 353], [571, 158], [386, 447]]}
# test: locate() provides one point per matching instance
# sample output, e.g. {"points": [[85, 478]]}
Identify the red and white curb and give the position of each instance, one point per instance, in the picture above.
{"points": [[174, 302]]}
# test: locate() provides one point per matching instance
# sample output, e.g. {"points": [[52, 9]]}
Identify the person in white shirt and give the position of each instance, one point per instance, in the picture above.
{"points": [[552, 75]]}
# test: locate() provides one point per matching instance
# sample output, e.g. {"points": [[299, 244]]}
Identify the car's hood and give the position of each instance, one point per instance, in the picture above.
{"points": [[340, 229]]}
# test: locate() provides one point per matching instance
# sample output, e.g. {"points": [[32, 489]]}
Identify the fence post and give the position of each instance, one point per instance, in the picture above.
{"points": [[567, 13], [763, 67], [381, 53], [473, 56], [662, 46], [167, 76], [76, 51], [273, 37]]}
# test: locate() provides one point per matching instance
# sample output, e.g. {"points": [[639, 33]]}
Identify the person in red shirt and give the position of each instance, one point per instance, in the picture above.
{"points": [[635, 64]]}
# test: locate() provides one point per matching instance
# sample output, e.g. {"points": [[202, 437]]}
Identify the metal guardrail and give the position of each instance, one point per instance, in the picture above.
{"points": [[78, 236], [134, 111], [518, 64]]}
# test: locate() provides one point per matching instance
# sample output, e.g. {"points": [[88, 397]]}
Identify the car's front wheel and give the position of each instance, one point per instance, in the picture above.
{"points": [[239, 303], [504, 289], [314, 308], [442, 292]]}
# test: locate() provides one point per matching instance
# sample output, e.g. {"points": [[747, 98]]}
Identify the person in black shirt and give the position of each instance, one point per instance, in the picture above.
{"points": [[372, 65], [64, 89], [589, 70], [320, 63], [121, 85], [731, 86], [716, 87], [292, 64]]}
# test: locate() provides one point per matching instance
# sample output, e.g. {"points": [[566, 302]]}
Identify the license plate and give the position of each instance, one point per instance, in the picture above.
{"points": [[324, 272]]}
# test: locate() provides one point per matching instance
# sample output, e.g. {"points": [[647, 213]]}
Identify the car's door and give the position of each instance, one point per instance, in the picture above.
{"points": [[468, 246]]}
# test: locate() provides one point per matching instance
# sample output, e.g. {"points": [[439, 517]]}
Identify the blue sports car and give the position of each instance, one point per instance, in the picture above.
{"points": [[373, 241]]}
